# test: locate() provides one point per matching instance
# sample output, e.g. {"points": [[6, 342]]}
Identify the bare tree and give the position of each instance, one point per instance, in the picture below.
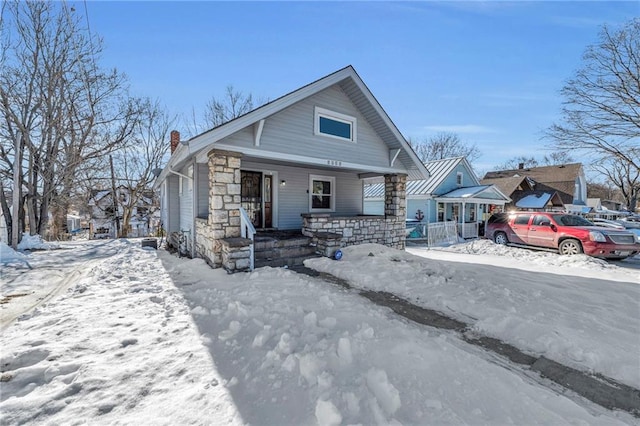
{"points": [[219, 110], [521, 162], [135, 163], [603, 190], [233, 104], [557, 157], [444, 145], [59, 110], [524, 162], [601, 113], [625, 177]]}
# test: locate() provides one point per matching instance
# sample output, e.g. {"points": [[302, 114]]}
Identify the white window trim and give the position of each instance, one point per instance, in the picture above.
{"points": [[180, 183], [332, 115], [459, 179], [330, 179]]}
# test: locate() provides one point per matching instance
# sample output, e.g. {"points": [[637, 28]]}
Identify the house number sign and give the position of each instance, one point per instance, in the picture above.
{"points": [[334, 163]]}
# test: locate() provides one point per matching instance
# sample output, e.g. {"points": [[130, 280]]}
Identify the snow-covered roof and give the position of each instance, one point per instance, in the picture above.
{"points": [[534, 201]]}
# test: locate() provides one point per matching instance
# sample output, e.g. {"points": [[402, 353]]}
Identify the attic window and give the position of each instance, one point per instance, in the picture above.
{"points": [[334, 125], [459, 179]]}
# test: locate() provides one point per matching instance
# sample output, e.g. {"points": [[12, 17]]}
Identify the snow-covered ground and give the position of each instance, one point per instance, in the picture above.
{"points": [[113, 333]]}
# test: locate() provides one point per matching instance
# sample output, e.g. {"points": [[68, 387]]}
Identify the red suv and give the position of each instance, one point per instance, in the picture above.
{"points": [[567, 233]]}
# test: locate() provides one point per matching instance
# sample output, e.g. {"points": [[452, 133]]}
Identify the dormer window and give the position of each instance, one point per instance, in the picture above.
{"points": [[334, 125]]}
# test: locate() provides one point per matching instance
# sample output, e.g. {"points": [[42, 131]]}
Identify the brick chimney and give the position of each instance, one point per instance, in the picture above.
{"points": [[520, 165], [175, 140]]}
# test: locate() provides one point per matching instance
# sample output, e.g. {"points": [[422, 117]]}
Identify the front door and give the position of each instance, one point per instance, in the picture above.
{"points": [[256, 193], [251, 196]]}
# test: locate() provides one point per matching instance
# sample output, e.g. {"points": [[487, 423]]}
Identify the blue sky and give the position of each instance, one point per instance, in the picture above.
{"points": [[489, 71]]}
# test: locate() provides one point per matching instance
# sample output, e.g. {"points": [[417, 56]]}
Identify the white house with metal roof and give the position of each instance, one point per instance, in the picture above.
{"points": [[296, 163], [452, 193]]}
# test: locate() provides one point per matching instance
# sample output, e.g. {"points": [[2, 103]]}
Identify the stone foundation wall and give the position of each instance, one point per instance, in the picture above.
{"points": [[331, 233], [236, 254], [204, 242]]}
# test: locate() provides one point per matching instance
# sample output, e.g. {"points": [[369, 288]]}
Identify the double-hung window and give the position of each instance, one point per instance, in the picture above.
{"points": [[322, 197], [334, 125]]}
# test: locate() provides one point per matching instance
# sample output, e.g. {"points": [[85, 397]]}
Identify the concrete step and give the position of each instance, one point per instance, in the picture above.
{"points": [[279, 263], [263, 243], [284, 252]]}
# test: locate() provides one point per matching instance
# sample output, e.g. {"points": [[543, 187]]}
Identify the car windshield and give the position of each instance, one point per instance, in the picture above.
{"points": [[571, 220]]}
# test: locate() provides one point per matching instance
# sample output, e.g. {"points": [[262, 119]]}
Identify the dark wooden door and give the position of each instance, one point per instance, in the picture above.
{"points": [[251, 196]]}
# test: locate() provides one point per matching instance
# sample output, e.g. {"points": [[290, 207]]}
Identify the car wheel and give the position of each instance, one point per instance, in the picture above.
{"points": [[569, 247], [500, 238]]}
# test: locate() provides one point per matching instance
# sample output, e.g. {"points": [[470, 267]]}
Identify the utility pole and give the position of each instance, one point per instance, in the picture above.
{"points": [[113, 196]]}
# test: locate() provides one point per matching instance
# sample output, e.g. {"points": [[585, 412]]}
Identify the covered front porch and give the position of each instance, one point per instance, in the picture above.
{"points": [[246, 198], [462, 213]]}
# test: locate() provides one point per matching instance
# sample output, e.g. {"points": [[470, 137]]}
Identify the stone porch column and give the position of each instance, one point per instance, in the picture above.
{"points": [[395, 196], [224, 198]]}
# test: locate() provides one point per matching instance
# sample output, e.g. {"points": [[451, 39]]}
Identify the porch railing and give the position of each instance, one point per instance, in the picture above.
{"points": [[247, 230], [442, 233], [468, 230]]}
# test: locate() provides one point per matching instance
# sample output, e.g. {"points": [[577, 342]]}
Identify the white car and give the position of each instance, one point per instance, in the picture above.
{"points": [[606, 223]]}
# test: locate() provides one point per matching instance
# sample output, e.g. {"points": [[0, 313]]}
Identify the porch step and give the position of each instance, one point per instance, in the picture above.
{"points": [[290, 261], [282, 250]]}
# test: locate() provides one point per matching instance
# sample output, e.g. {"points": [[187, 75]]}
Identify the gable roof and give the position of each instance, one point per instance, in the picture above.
{"points": [[544, 174], [536, 199], [349, 82], [561, 178], [508, 185], [438, 172]]}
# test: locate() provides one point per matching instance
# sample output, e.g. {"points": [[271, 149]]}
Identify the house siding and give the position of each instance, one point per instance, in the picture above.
{"points": [[449, 183], [293, 198], [202, 190], [186, 203], [172, 221], [291, 131]]}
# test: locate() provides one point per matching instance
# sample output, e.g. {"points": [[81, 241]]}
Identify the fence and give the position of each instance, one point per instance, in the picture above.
{"points": [[442, 233]]}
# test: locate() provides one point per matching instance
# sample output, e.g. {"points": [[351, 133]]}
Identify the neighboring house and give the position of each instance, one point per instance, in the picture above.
{"points": [[452, 193], [523, 194], [296, 163], [559, 187], [144, 218]]}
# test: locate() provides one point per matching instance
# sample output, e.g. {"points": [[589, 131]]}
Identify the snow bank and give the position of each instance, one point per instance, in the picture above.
{"points": [[35, 242]]}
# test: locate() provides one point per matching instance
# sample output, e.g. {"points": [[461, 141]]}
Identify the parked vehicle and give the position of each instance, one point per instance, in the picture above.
{"points": [[606, 223], [567, 233], [631, 227]]}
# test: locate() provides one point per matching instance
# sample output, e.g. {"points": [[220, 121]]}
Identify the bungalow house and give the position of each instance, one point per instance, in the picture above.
{"points": [[452, 193], [558, 187], [526, 195], [297, 163]]}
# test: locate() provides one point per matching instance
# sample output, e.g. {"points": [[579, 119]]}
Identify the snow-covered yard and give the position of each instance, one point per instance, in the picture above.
{"points": [[110, 333]]}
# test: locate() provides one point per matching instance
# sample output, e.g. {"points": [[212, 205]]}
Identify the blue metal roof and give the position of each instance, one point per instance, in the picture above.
{"points": [[438, 170]]}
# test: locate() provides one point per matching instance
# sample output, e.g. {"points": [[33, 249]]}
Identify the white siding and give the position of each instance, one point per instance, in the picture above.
{"points": [[186, 202], [172, 221], [202, 191]]}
